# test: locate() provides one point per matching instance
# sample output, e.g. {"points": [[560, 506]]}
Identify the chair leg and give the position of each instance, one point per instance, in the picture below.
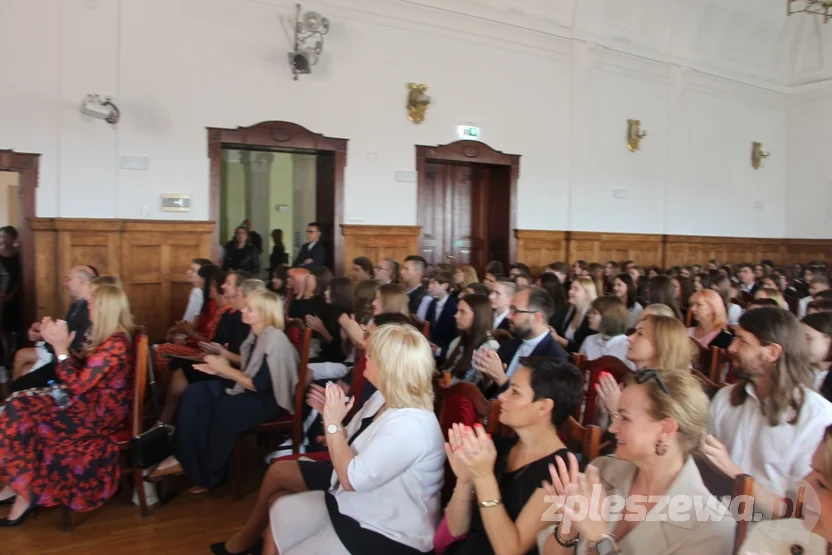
{"points": [[237, 481], [138, 484], [66, 519]]}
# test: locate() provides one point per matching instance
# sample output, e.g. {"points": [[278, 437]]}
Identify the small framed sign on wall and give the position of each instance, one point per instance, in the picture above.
{"points": [[176, 203]]}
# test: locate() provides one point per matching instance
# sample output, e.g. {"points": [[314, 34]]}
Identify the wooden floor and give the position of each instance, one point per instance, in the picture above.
{"points": [[188, 524]]}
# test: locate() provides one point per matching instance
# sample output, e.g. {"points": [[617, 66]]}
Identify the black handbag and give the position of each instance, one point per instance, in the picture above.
{"points": [[156, 444]]}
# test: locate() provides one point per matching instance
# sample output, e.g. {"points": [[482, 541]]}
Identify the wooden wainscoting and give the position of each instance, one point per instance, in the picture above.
{"points": [[536, 248], [682, 250], [804, 250], [151, 257], [602, 247], [377, 242]]}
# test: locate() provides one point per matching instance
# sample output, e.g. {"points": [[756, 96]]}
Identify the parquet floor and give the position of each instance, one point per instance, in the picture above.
{"points": [[188, 524]]}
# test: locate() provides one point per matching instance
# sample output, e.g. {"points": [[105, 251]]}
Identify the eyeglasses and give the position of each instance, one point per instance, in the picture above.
{"points": [[644, 376], [515, 310], [311, 230]]}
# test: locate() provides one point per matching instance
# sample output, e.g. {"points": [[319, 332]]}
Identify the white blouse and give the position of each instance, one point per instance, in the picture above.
{"points": [[596, 346], [635, 312], [778, 537]]}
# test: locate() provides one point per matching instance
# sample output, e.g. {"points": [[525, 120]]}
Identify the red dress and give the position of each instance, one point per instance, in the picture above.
{"points": [[68, 457]]}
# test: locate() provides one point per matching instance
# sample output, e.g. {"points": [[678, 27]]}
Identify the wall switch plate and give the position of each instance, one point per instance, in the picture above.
{"points": [[176, 203], [620, 193], [403, 176], [135, 162]]}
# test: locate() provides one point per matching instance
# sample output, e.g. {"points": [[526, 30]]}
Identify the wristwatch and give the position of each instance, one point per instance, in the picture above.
{"points": [[334, 428], [605, 545], [62, 358]]}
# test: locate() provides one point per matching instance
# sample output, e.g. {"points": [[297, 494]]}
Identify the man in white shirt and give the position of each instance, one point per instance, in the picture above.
{"points": [[819, 283], [196, 299], [769, 423], [502, 292]]}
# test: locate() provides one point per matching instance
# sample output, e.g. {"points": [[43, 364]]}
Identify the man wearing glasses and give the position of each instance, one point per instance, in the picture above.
{"points": [[313, 252], [529, 316]]}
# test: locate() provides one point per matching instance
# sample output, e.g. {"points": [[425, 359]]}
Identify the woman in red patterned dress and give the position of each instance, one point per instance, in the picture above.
{"points": [[212, 310], [67, 456]]}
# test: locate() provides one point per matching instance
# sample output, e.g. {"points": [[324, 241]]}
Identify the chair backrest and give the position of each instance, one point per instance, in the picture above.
{"points": [[708, 386], [141, 344], [305, 335], [610, 364], [294, 331], [578, 361], [462, 403], [744, 489], [358, 379], [583, 439], [501, 335]]}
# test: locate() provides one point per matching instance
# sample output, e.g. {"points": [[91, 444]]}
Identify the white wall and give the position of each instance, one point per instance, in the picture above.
{"points": [[529, 74]]}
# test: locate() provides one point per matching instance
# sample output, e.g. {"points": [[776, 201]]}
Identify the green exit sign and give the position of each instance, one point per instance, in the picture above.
{"points": [[468, 132]]}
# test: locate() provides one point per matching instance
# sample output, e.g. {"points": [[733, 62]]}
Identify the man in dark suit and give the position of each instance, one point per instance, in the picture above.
{"points": [[253, 237], [747, 279], [530, 312], [441, 314], [313, 252], [502, 292], [412, 272]]}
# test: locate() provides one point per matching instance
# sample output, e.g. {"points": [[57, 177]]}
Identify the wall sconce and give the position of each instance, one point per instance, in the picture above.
{"points": [[96, 107], [309, 26], [634, 134], [417, 102], [758, 154]]}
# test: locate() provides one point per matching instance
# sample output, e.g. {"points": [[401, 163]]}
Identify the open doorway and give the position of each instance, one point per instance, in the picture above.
{"points": [[278, 175], [467, 204]]}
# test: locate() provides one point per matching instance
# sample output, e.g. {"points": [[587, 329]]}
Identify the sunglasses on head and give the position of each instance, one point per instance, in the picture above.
{"points": [[644, 376]]}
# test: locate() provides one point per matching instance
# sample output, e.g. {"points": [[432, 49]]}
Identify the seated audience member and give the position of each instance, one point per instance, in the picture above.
{"points": [[296, 290], [576, 323], [498, 502], [385, 488], [580, 268], [761, 302], [278, 257], [659, 341], [656, 310], [522, 280], [501, 295], [624, 288], [747, 279], [440, 314], [711, 320], [773, 294], [106, 279], [241, 254], [561, 270], [412, 273], [792, 535], [473, 322], [386, 271], [552, 285], [768, 423], [495, 268], [682, 291], [313, 301], [312, 254], [464, 276], [212, 417], [195, 299], [65, 455], [607, 316], [277, 284], [823, 305], [701, 281], [722, 286], [517, 269], [596, 273], [611, 269], [364, 296], [818, 330], [661, 292], [212, 310], [661, 422], [819, 283], [35, 367], [362, 268], [475, 289], [338, 297], [529, 315], [229, 337]]}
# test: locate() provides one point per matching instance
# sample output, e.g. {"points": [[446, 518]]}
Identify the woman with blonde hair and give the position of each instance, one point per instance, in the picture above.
{"points": [[106, 280], [464, 276], [661, 421], [56, 443], [385, 487], [575, 327], [708, 311], [391, 298], [212, 418]]}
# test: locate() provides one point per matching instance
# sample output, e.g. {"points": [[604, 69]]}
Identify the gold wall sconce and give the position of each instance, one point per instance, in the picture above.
{"points": [[417, 102], [634, 134], [758, 154]]}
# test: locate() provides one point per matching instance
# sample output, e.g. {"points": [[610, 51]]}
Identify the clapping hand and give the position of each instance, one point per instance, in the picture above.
{"points": [[335, 409], [215, 366], [56, 334], [315, 323], [562, 476], [478, 453], [455, 436], [577, 506], [353, 329], [489, 364], [609, 392]]}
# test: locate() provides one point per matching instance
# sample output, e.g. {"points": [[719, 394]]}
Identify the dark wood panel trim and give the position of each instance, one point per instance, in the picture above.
{"points": [[276, 134], [410, 230]]}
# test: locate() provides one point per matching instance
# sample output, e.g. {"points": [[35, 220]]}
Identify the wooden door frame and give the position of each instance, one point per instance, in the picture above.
{"points": [[270, 135], [469, 152], [27, 165]]}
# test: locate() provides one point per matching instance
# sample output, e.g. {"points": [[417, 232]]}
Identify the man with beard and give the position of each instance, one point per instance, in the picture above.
{"points": [[529, 316], [769, 423]]}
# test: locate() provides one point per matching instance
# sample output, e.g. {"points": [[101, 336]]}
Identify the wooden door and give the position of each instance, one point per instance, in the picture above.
{"points": [[325, 203], [445, 213]]}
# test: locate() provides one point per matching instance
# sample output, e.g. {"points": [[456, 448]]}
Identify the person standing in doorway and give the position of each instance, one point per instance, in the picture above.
{"points": [[253, 237], [313, 252], [278, 256]]}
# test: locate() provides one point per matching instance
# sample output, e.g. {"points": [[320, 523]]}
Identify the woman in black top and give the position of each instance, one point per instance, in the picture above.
{"points": [[551, 283], [240, 254], [498, 495], [278, 256], [339, 300]]}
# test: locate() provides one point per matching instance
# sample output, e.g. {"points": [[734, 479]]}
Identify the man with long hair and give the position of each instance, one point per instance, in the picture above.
{"points": [[769, 422]]}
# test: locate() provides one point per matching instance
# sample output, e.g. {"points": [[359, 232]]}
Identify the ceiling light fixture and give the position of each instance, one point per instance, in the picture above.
{"points": [[310, 29]]}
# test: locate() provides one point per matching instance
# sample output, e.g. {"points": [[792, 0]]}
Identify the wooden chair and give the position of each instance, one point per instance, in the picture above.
{"points": [[708, 386], [583, 439], [578, 361], [461, 403], [610, 364], [288, 424], [743, 486], [721, 486], [134, 428]]}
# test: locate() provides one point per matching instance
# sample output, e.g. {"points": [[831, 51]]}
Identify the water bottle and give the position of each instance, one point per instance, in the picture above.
{"points": [[60, 396]]}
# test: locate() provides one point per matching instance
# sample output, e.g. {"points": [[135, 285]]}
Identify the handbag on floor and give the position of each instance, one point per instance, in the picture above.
{"points": [[156, 444]]}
